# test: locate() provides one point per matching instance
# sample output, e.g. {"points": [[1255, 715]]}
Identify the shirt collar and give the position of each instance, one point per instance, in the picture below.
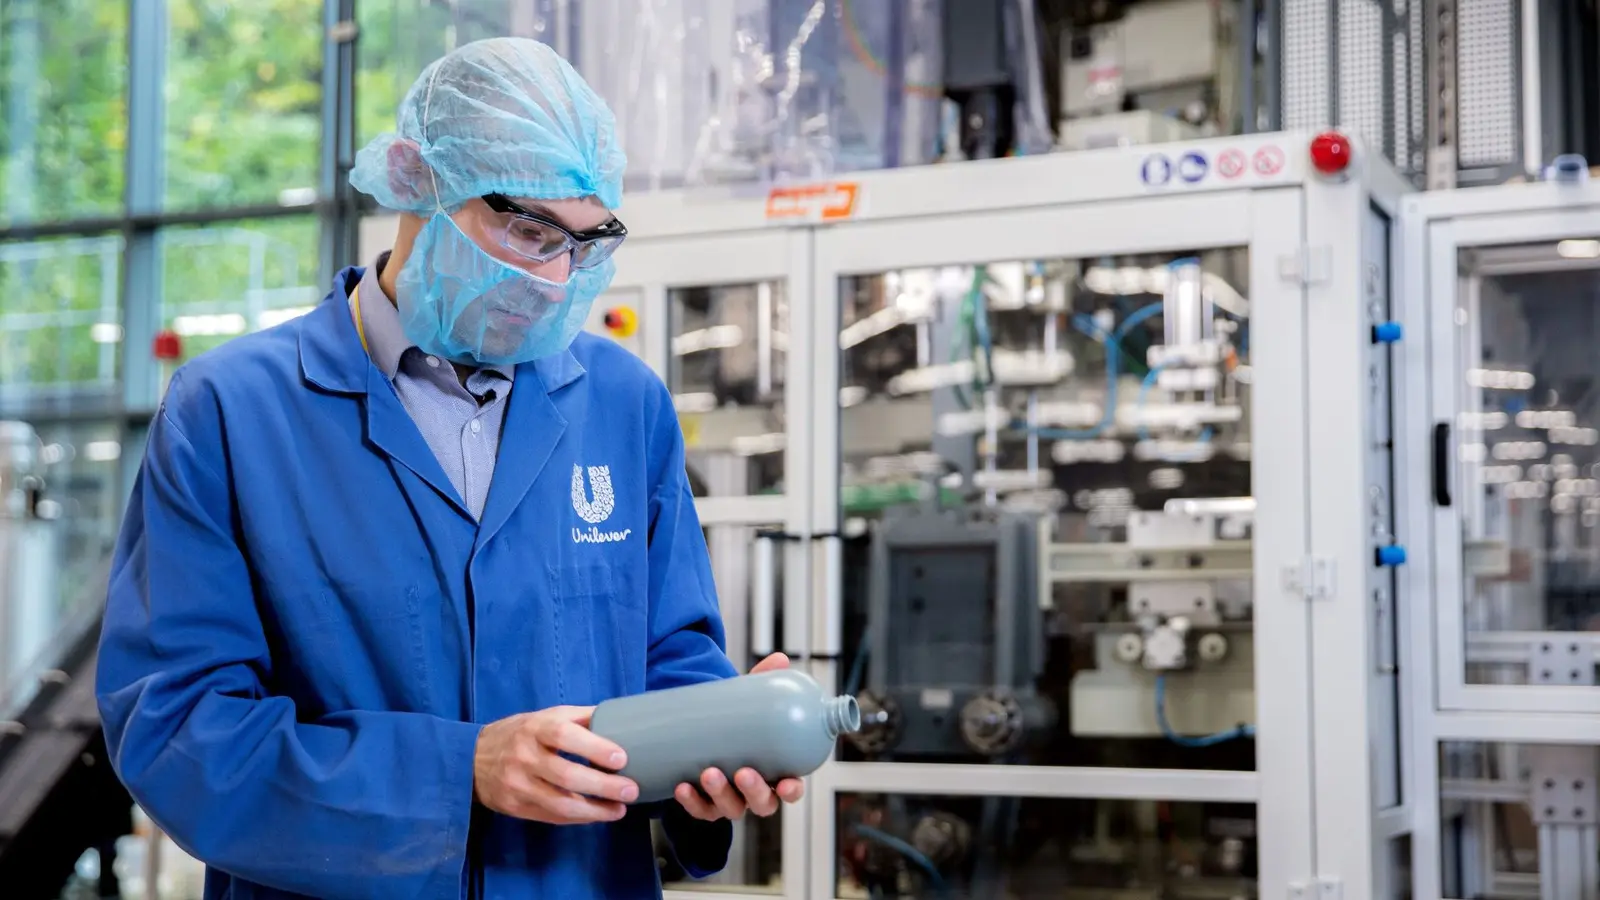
{"points": [[380, 324]]}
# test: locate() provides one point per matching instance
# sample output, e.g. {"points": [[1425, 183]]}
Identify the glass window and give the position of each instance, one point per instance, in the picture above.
{"points": [[63, 100], [726, 369], [1087, 418], [54, 554], [244, 102], [399, 39], [754, 860], [1528, 460], [1515, 818], [1028, 848], [59, 323], [221, 281]]}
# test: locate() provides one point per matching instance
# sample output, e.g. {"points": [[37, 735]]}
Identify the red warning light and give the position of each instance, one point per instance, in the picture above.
{"points": [[1331, 152], [166, 346]]}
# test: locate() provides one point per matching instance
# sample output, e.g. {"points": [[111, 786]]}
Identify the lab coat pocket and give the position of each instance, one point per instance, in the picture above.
{"points": [[358, 646], [600, 639]]}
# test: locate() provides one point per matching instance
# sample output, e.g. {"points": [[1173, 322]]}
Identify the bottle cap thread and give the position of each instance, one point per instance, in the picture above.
{"points": [[841, 715]]}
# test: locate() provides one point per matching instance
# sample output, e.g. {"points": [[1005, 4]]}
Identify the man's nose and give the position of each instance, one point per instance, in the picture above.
{"points": [[556, 270]]}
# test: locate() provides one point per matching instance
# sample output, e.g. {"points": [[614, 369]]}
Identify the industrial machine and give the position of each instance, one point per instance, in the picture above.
{"points": [[1506, 720], [1079, 471], [1210, 519]]}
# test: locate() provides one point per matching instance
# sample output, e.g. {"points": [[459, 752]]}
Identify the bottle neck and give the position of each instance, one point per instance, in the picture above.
{"points": [[841, 715]]}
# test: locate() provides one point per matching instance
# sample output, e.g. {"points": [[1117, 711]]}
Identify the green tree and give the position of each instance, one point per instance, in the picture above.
{"points": [[242, 127], [63, 109], [244, 100]]}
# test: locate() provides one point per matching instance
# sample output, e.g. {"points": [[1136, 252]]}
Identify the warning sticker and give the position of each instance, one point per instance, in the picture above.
{"points": [[1230, 163], [1268, 160]]}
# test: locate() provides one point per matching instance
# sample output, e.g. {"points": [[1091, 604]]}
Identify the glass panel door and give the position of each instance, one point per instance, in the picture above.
{"points": [[1517, 400], [1041, 475], [727, 370], [715, 326]]}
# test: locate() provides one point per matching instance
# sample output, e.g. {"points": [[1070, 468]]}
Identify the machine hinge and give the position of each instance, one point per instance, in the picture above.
{"points": [[1307, 265], [1311, 578], [1316, 889]]}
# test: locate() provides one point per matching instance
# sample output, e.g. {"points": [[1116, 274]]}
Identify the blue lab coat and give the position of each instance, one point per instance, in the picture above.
{"points": [[305, 629]]}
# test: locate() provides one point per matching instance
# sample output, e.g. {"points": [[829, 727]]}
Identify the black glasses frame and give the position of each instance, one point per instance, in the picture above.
{"points": [[611, 232]]}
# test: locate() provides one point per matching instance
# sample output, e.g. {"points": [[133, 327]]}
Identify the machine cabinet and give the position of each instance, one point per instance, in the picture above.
{"points": [[1081, 472]]}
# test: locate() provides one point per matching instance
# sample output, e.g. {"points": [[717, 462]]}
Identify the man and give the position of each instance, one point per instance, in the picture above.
{"points": [[429, 504]]}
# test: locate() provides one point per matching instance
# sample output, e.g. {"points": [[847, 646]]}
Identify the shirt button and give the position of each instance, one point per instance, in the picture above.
{"points": [[433, 361], [475, 426]]}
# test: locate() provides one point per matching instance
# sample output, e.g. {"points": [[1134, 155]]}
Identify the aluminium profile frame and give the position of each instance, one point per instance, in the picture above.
{"points": [[1444, 706]]}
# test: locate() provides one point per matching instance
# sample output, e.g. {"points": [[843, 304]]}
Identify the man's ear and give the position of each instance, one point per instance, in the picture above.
{"points": [[409, 176]]}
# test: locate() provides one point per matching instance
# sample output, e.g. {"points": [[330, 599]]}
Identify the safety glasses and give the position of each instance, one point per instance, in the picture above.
{"points": [[541, 239]]}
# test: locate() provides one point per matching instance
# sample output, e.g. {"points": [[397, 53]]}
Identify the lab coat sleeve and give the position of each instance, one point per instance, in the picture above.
{"points": [[687, 644], [351, 805]]}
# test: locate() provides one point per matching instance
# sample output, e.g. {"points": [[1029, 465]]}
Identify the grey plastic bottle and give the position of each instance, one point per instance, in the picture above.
{"points": [[779, 723]]}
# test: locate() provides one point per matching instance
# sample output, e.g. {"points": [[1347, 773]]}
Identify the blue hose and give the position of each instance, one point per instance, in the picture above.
{"points": [[1113, 342], [858, 666], [912, 854], [1144, 391], [1210, 740]]}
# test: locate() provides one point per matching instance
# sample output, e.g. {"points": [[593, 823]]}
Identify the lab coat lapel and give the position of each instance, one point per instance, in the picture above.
{"points": [[332, 358], [395, 433], [533, 427]]}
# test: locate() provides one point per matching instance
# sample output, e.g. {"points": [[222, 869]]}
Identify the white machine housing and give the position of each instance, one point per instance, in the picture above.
{"points": [[1326, 688]]}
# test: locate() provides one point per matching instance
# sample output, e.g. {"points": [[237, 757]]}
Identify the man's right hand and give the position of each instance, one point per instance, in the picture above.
{"points": [[518, 770]]}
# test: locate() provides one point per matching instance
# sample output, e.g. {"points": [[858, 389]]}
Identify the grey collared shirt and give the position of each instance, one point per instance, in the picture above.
{"points": [[461, 423]]}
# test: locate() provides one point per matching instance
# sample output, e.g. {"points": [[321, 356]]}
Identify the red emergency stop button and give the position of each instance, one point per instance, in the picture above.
{"points": [[621, 321], [1331, 152], [167, 346]]}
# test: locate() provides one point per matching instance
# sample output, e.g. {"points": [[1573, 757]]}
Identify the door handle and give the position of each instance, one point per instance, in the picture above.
{"points": [[1441, 463]]}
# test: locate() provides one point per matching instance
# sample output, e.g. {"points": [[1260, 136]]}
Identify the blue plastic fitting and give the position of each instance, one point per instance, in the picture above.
{"points": [[1392, 555], [1387, 332], [1568, 168]]}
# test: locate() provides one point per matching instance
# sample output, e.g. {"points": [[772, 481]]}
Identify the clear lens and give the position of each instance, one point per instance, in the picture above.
{"points": [[536, 241], [542, 243], [593, 253]]}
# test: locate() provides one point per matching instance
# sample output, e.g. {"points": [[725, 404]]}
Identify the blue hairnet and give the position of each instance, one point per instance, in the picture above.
{"points": [[503, 115]]}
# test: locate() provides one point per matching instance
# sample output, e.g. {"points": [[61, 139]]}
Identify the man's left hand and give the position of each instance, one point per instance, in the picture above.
{"points": [[748, 792]]}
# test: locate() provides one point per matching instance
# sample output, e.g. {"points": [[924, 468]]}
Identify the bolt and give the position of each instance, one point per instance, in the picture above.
{"points": [[1572, 648], [1544, 648], [1549, 784], [1549, 812], [1578, 785], [1199, 603], [1544, 674], [1577, 814], [1145, 562]]}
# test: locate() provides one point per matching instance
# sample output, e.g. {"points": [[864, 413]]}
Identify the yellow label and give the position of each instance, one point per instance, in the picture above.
{"points": [[691, 430]]}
